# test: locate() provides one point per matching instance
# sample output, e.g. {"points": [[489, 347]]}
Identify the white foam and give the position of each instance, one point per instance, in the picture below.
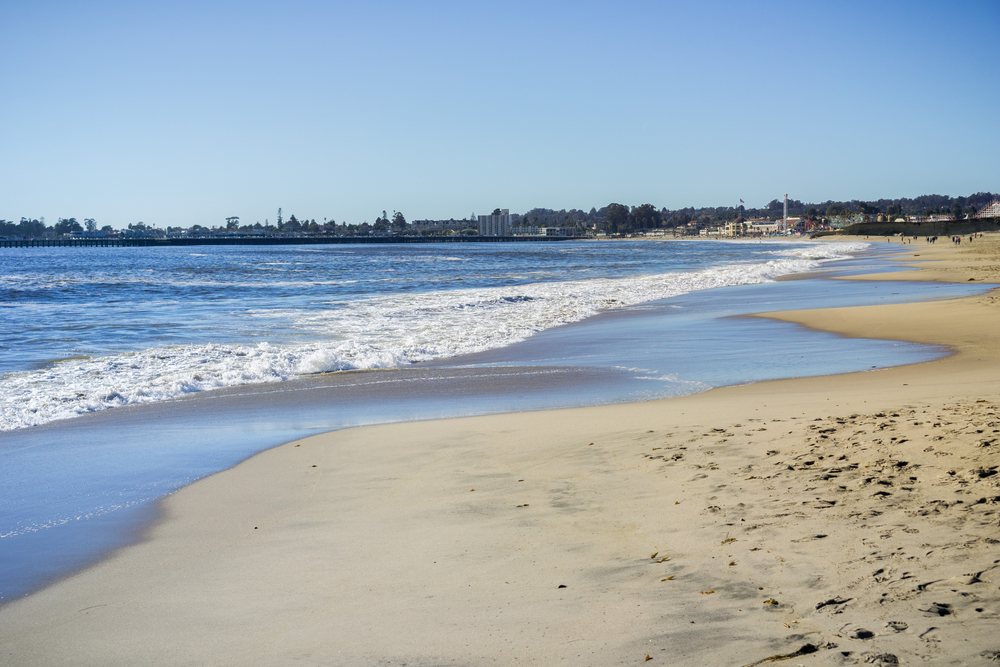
{"points": [[373, 332]]}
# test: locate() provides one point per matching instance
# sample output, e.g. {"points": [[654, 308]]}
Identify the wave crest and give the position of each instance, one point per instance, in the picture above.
{"points": [[373, 332]]}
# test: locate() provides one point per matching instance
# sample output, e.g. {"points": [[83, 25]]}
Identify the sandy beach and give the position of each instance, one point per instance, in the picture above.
{"points": [[839, 520]]}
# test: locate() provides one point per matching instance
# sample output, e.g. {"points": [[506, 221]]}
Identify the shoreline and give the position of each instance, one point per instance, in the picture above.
{"points": [[124, 462], [326, 547], [44, 384]]}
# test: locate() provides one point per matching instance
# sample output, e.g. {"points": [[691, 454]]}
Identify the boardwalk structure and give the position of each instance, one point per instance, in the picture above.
{"points": [[991, 210], [142, 242]]}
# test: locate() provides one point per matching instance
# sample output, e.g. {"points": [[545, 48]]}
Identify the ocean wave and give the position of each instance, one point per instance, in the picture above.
{"points": [[371, 332]]}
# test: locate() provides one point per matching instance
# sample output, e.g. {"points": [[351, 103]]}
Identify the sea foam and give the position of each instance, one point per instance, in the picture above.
{"points": [[371, 332]]}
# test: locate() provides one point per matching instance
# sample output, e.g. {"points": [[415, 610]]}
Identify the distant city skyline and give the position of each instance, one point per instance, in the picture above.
{"points": [[176, 114]]}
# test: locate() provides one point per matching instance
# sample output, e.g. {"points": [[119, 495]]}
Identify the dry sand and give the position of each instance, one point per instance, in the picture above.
{"points": [[842, 520]]}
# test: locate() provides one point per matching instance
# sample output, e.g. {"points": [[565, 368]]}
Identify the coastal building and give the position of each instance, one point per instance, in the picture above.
{"points": [[558, 231], [736, 227], [763, 228], [495, 225], [756, 227]]}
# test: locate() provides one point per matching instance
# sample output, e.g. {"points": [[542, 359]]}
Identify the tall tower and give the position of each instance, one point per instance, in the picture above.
{"points": [[495, 225], [784, 222]]}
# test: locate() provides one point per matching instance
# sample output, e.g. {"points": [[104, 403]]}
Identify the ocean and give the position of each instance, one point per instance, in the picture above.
{"points": [[127, 373], [89, 329]]}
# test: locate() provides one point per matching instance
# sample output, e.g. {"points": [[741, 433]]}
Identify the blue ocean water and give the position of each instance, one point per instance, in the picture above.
{"points": [[86, 329], [128, 373]]}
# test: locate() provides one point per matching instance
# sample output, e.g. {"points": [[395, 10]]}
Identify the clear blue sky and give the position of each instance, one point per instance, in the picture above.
{"points": [[181, 113]]}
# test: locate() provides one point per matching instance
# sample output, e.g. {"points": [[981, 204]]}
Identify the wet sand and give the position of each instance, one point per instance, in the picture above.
{"points": [[848, 519]]}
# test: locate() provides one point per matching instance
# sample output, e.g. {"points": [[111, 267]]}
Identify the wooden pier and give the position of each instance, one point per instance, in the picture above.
{"points": [[140, 242]]}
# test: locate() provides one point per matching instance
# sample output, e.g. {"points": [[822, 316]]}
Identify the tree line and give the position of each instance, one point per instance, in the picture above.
{"points": [[36, 228], [614, 218], [620, 218]]}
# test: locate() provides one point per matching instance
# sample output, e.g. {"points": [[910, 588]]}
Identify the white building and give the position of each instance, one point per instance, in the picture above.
{"points": [[764, 228], [558, 231], [495, 225]]}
